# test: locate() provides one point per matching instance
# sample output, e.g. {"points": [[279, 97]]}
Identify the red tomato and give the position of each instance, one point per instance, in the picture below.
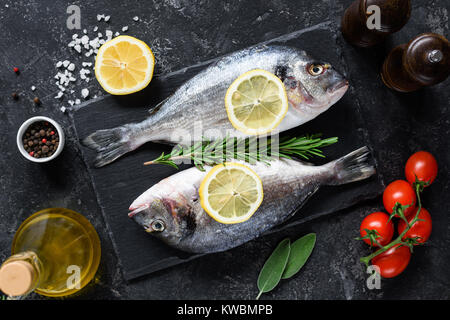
{"points": [[393, 261], [402, 192], [423, 165], [378, 221], [420, 229]]}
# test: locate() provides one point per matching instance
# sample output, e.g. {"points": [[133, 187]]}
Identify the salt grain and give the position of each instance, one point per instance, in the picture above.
{"points": [[124, 28], [136, 18], [85, 93]]}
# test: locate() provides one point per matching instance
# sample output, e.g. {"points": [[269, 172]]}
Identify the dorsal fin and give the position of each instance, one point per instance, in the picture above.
{"points": [[154, 109]]}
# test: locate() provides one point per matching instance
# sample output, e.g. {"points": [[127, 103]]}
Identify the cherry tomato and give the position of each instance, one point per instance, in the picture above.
{"points": [[393, 261], [420, 229], [378, 221], [402, 192], [423, 165]]}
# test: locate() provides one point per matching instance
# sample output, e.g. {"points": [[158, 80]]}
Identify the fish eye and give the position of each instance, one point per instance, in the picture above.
{"points": [[158, 225], [315, 69]]}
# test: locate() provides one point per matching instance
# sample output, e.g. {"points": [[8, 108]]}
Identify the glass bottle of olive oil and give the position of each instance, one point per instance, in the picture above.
{"points": [[55, 252]]}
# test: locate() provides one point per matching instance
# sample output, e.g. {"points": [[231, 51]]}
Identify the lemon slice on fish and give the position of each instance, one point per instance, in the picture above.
{"points": [[256, 102], [124, 65], [231, 193]]}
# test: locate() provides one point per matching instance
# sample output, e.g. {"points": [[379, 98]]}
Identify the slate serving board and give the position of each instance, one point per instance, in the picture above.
{"points": [[119, 183]]}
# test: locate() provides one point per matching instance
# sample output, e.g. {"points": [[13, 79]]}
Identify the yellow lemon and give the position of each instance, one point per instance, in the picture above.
{"points": [[231, 193], [256, 102], [124, 65]]}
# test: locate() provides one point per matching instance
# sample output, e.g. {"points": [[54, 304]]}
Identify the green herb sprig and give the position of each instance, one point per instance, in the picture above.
{"points": [[286, 260], [208, 152]]}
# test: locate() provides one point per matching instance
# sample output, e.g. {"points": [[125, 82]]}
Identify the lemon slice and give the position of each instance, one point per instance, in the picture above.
{"points": [[256, 102], [231, 193], [124, 65]]}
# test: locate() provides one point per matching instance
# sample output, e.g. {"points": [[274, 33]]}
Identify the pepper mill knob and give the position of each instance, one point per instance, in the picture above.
{"points": [[394, 14], [424, 61]]}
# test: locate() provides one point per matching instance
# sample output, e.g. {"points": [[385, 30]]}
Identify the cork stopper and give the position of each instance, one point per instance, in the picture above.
{"points": [[16, 278]]}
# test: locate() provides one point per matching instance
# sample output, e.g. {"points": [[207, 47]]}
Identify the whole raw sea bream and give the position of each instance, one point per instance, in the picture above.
{"points": [[171, 211], [197, 108]]}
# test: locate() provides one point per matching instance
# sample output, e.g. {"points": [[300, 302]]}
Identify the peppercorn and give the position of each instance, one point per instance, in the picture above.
{"points": [[16, 70], [15, 96], [44, 140], [36, 100]]}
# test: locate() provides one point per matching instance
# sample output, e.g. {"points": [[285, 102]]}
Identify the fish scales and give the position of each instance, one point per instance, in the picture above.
{"points": [[174, 201], [196, 110]]}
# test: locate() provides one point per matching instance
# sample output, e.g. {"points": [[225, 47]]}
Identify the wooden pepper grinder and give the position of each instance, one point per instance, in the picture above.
{"points": [[394, 14], [424, 61]]}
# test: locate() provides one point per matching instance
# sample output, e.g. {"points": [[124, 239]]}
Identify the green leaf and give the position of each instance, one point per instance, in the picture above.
{"points": [[300, 252], [273, 268]]}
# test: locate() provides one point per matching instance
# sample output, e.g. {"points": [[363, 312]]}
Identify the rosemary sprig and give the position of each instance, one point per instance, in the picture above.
{"points": [[208, 152]]}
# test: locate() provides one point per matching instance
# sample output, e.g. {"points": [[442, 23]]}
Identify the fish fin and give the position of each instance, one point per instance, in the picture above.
{"points": [[110, 144], [354, 166], [155, 109]]}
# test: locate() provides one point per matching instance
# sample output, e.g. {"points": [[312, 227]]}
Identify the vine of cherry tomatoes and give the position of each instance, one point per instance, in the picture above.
{"points": [[401, 200]]}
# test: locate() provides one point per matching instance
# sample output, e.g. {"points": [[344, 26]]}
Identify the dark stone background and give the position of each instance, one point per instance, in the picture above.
{"points": [[34, 37]]}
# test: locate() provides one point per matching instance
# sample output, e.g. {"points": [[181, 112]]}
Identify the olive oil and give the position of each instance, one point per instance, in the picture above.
{"points": [[56, 250]]}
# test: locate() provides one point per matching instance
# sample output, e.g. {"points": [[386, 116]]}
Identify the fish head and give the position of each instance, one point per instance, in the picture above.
{"points": [[312, 86], [164, 218]]}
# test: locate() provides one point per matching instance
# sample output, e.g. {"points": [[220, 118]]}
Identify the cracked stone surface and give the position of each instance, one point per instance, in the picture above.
{"points": [[180, 33]]}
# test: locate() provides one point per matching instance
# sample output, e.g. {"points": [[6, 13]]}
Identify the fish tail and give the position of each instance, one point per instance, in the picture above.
{"points": [[110, 144], [354, 166]]}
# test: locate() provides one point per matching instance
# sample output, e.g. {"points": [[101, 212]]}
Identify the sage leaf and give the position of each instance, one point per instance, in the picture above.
{"points": [[273, 268], [300, 252]]}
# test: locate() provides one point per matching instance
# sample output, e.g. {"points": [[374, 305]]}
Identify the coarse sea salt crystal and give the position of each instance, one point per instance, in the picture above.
{"points": [[84, 39], [116, 34], [100, 17], [124, 28], [71, 102], [33, 88], [95, 28], [77, 101], [59, 95], [136, 18], [59, 64], [108, 34], [66, 63], [84, 31], [85, 93], [77, 48], [74, 36], [107, 18], [71, 67], [63, 109]]}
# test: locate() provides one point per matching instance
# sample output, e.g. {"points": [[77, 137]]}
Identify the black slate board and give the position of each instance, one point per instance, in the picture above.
{"points": [[119, 183]]}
